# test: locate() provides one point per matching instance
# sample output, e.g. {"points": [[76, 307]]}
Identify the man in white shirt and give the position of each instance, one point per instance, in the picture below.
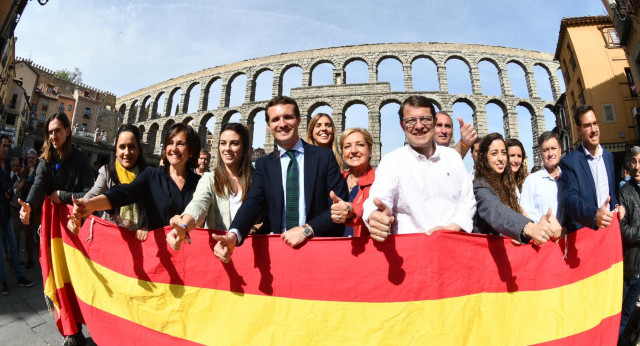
{"points": [[540, 190], [421, 187], [444, 132]]}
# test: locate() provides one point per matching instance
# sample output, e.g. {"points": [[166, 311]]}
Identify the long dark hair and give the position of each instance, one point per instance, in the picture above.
{"points": [[504, 184], [522, 173], [48, 152], [193, 143], [223, 183], [141, 163]]}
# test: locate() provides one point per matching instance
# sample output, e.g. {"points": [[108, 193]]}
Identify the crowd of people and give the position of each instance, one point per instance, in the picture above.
{"points": [[325, 186]]}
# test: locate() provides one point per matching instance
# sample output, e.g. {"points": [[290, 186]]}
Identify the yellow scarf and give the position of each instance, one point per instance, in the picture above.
{"points": [[130, 214]]}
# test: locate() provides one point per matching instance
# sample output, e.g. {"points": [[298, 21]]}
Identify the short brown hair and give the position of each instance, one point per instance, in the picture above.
{"points": [[579, 111], [416, 101], [281, 100]]}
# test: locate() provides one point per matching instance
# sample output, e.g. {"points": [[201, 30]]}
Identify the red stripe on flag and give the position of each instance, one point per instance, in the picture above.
{"points": [[598, 335], [394, 266], [103, 324]]}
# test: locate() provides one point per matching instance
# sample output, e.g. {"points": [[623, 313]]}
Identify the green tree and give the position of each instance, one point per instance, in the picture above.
{"points": [[74, 76]]}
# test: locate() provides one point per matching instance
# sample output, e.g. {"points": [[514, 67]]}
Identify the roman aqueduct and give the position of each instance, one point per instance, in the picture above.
{"points": [[141, 107]]}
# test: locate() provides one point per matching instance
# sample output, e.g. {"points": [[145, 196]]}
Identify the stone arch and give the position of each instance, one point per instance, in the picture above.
{"points": [[466, 101], [123, 109], [143, 114], [423, 56], [315, 106], [228, 88], [350, 63], [133, 109], [519, 63], [165, 129], [187, 120], [457, 75], [225, 118], [425, 80], [206, 94], [170, 100], [498, 103], [341, 121], [154, 110], [387, 56], [398, 80], [458, 57], [254, 83], [314, 66], [187, 97], [251, 121], [151, 139], [284, 71]]}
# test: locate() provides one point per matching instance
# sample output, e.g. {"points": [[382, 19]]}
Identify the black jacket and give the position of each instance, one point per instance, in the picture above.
{"points": [[629, 197], [70, 176]]}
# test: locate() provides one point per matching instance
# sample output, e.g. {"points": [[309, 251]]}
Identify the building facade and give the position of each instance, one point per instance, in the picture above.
{"points": [[596, 72]]}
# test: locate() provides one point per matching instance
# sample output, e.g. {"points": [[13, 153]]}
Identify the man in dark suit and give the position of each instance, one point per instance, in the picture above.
{"points": [[291, 185], [587, 177]]}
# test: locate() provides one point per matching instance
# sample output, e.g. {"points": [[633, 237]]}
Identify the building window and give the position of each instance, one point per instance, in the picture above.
{"points": [[61, 108], [70, 108], [567, 75], [87, 112], [632, 84], [611, 37], [572, 58], [608, 113], [43, 117], [14, 100], [33, 108], [84, 127], [45, 105], [11, 119], [86, 94]]}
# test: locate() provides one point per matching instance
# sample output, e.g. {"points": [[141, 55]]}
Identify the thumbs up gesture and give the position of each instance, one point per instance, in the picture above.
{"points": [[340, 210], [604, 215], [380, 221], [468, 134]]}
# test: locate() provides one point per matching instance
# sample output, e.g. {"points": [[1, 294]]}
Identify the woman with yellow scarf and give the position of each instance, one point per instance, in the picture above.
{"points": [[126, 162]]}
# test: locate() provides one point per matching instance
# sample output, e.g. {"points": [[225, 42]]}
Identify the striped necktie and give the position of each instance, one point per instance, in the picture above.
{"points": [[292, 202]]}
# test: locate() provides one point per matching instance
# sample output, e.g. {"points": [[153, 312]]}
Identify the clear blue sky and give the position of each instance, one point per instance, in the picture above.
{"points": [[124, 46]]}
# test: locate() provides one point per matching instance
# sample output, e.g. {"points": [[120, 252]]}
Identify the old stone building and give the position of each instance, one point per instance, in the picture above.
{"points": [[597, 73]]}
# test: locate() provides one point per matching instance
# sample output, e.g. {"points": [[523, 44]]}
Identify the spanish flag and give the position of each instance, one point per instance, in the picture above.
{"points": [[449, 288]]}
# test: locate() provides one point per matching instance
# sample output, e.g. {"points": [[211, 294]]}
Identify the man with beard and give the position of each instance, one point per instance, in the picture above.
{"points": [[444, 132], [588, 180]]}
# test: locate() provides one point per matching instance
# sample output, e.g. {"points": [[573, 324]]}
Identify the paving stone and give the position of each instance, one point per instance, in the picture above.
{"points": [[19, 333]]}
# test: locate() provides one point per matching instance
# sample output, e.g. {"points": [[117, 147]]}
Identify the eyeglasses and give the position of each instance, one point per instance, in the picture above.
{"points": [[590, 125], [425, 121]]}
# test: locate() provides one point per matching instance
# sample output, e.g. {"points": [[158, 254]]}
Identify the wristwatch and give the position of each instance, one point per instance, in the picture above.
{"points": [[307, 231]]}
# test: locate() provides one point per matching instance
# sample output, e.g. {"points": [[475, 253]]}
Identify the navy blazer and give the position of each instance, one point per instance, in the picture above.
{"points": [[321, 175], [579, 195]]}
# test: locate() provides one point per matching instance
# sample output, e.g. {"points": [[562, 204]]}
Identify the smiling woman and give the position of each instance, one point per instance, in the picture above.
{"points": [[219, 194], [166, 190], [321, 132]]}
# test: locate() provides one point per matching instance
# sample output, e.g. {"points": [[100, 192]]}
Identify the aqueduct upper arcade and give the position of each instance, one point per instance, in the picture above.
{"points": [[143, 108]]}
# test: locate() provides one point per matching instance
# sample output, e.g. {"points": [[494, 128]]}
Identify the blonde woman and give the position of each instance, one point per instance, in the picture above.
{"points": [[321, 132]]}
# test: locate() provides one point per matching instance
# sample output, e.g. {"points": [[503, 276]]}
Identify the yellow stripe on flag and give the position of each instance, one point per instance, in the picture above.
{"points": [[222, 317]]}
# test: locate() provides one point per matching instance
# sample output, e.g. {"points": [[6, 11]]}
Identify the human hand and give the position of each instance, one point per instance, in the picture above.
{"points": [[81, 207], [542, 231], [172, 239], [604, 215], [55, 197], [20, 185], [294, 236], [339, 209], [141, 234], [179, 226], [621, 211], [380, 221], [468, 134], [73, 224], [224, 246], [25, 211]]}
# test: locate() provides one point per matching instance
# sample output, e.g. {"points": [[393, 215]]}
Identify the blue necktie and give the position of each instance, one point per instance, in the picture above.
{"points": [[292, 202]]}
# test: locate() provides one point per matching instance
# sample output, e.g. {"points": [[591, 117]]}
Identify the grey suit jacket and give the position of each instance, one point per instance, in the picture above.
{"points": [[493, 216]]}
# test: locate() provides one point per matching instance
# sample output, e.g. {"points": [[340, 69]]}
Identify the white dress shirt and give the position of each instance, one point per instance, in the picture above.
{"points": [[423, 192], [539, 193], [284, 163], [599, 174]]}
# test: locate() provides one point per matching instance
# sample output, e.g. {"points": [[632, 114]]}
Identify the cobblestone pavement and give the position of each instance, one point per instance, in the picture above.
{"points": [[24, 317]]}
